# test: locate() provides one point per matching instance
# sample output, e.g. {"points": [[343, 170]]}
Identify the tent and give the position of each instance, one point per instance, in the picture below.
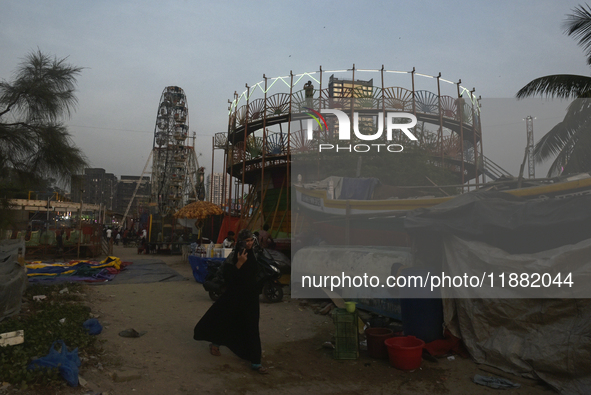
{"points": [[533, 332]]}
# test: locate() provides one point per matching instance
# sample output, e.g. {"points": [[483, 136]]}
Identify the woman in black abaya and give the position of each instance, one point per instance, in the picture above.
{"points": [[233, 320]]}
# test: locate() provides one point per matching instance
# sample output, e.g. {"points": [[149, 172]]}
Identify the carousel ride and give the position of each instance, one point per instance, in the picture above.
{"points": [[270, 122]]}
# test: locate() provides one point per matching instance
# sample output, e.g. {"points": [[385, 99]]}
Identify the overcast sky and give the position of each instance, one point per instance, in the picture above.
{"points": [[132, 50]]}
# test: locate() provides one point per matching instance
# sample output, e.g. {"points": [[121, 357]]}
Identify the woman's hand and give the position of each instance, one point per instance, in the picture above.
{"points": [[242, 257]]}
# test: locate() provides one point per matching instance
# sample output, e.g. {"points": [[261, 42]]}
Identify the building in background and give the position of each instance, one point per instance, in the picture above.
{"points": [[215, 192], [125, 190], [95, 186], [342, 91]]}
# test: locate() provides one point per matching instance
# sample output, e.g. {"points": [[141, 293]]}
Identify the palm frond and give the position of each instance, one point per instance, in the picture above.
{"points": [[569, 141], [563, 86], [578, 24]]}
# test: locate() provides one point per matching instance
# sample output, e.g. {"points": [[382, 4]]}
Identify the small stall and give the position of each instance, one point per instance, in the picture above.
{"points": [[200, 254]]}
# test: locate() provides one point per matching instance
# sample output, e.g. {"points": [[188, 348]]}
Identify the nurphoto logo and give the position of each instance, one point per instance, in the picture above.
{"points": [[392, 119]]}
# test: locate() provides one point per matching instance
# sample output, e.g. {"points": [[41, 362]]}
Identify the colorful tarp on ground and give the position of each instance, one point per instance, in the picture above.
{"points": [[77, 270]]}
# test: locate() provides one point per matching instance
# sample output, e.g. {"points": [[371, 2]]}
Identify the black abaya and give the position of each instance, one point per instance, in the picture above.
{"points": [[233, 320]]}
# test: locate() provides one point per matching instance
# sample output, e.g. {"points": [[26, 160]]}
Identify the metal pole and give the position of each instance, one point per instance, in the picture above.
{"points": [[480, 134], [460, 114], [231, 156], [211, 179], [414, 100], [353, 94], [244, 145], [326, 132], [262, 185], [383, 100], [79, 226], [474, 139], [440, 120]]}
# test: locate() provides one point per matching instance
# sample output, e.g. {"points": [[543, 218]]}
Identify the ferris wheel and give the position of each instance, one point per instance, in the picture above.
{"points": [[176, 176]]}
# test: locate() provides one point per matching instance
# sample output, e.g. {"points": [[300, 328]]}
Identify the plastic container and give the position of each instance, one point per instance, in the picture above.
{"points": [[423, 318], [346, 340], [199, 267], [376, 346], [421, 309], [405, 353], [350, 306]]}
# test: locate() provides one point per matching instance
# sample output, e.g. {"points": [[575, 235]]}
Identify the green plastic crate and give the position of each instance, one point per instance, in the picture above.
{"points": [[346, 338]]}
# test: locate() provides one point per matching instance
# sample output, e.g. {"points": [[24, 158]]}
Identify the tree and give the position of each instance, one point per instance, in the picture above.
{"points": [[570, 140], [34, 143]]}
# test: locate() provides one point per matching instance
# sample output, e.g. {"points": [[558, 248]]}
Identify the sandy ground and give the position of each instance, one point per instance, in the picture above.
{"points": [[166, 360]]}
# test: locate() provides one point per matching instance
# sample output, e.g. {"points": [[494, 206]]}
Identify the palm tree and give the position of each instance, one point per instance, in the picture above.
{"points": [[570, 140], [34, 143]]}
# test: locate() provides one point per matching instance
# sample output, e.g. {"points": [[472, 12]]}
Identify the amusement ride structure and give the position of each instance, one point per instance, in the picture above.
{"points": [[177, 178], [268, 124], [175, 170]]}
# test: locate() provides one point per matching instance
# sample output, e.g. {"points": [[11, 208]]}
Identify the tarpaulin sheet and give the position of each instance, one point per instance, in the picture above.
{"points": [[475, 269], [513, 224], [146, 271], [546, 339], [357, 188], [77, 270], [13, 278]]}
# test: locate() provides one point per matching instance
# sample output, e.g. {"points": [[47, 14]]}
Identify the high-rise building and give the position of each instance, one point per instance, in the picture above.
{"points": [[95, 186], [215, 188], [342, 92], [348, 88], [125, 191]]}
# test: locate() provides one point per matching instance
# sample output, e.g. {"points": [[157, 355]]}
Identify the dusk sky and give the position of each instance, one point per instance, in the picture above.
{"points": [[132, 50]]}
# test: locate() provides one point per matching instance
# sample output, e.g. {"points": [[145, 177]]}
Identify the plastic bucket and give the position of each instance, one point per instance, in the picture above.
{"points": [[405, 353], [375, 342]]}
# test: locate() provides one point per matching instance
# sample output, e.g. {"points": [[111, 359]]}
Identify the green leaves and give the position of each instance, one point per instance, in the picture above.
{"points": [[33, 140], [570, 140], [40, 321]]}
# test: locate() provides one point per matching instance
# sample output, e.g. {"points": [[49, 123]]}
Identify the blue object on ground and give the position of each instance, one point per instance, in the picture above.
{"points": [[421, 309], [495, 382], [93, 326], [66, 361], [199, 266]]}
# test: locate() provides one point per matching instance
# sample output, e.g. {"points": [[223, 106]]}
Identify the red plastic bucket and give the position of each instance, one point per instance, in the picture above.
{"points": [[405, 353], [375, 342]]}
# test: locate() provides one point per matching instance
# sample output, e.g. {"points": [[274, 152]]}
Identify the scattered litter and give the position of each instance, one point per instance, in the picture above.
{"points": [[328, 345], [495, 382], [428, 357], [62, 320], [363, 345], [65, 290], [327, 309], [39, 297], [93, 326], [451, 358], [12, 338], [67, 362], [131, 333]]}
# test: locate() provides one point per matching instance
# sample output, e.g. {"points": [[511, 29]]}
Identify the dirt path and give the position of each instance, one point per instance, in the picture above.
{"points": [[166, 360]]}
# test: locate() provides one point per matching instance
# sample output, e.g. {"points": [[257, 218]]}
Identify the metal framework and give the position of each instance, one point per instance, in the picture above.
{"points": [[267, 124], [531, 165], [175, 170], [457, 143]]}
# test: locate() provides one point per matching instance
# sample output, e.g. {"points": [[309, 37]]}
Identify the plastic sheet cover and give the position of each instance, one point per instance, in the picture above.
{"points": [[13, 278]]}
